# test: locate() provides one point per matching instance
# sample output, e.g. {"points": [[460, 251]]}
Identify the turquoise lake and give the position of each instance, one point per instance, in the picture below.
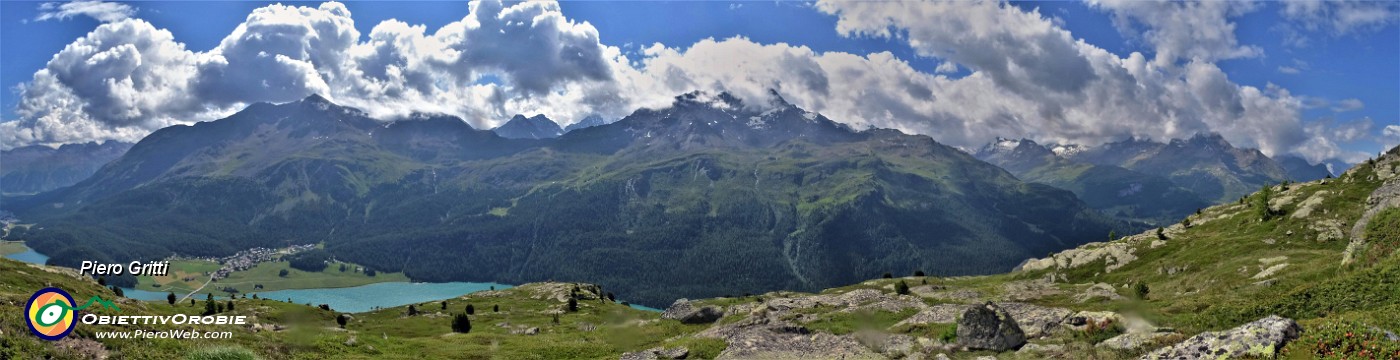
{"points": [[386, 294], [29, 256]]}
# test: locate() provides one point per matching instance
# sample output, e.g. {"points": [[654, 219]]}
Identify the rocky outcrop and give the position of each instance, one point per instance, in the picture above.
{"points": [[1036, 320], [854, 300], [656, 353], [765, 335], [1113, 255], [1259, 339], [684, 311], [1098, 291], [1306, 208], [1384, 197], [989, 327], [937, 314]]}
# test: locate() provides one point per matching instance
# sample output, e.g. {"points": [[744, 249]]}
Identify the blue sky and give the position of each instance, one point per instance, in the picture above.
{"points": [[1344, 78]]}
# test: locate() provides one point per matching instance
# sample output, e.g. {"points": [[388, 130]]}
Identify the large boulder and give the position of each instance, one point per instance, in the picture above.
{"points": [[684, 311], [989, 327], [1259, 339]]}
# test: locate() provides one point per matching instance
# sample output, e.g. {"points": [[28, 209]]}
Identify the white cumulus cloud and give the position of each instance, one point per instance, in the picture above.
{"points": [[100, 10], [1183, 30], [1340, 17], [1028, 76]]}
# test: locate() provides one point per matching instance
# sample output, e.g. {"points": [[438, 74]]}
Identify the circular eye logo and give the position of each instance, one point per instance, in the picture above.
{"points": [[49, 313]]}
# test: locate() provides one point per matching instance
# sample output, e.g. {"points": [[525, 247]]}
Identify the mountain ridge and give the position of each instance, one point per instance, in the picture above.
{"points": [[793, 199]]}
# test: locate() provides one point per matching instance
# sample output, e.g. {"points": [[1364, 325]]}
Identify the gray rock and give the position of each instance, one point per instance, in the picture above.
{"points": [[1134, 341], [639, 355], [678, 309], [684, 311], [1259, 339], [937, 314], [1037, 349], [680, 352], [989, 327]]}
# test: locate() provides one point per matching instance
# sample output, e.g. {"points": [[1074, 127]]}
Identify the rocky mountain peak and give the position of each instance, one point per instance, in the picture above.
{"points": [[534, 127]]}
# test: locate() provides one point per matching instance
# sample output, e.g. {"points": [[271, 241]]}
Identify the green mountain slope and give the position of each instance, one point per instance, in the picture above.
{"points": [[1123, 193], [707, 197]]}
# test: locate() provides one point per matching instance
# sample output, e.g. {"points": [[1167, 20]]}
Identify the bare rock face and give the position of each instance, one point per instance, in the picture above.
{"points": [[989, 327], [685, 312], [1259, 339]]}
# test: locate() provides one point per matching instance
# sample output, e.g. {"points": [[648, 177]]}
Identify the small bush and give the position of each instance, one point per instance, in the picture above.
{"points": [[471, 310], [341, 320], [887, 276], [461, 324], [1140, 289], [573, 305], [949, 334], [901, 288], [1261, 203]]}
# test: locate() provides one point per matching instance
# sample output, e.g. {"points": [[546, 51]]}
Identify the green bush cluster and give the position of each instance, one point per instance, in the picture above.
{"points": [[1344, 340], [1383, 235]]}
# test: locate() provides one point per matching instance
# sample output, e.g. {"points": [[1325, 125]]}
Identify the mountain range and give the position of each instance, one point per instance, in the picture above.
{"points": [[1149, 181], [708, 196], [37, 168], [1112, 189]]}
